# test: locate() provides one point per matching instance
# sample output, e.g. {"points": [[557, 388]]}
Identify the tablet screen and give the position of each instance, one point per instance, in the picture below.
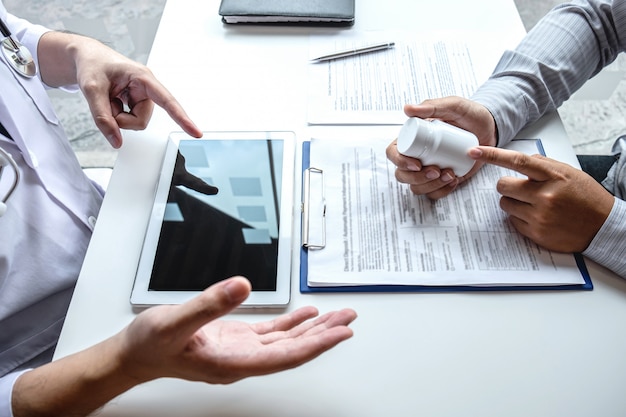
{"points": [[219, 211]]}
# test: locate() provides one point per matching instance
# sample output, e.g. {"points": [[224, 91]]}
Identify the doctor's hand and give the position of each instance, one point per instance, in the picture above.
{"points": [[121, 93], [189, 342], [558, 206], [432, 181]]}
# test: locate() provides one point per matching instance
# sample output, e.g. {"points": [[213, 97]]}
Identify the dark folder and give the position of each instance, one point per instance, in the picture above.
{"points": [[318, 12]]}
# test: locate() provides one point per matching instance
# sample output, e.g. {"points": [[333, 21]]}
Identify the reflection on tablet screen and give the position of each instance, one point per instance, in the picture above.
{"points": [[207, 237]]}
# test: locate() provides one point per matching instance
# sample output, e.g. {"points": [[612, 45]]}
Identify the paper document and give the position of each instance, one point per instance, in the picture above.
{"points": [[373, 88], [379, 233]]}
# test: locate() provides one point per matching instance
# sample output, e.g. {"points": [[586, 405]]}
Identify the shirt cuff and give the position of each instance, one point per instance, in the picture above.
{"points": [[610, 241], [509, 111], [6, 392]]}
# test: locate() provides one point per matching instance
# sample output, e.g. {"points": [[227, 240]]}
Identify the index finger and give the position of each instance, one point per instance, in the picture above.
{"points": [[164, 99], [531, 166], [286, 322]]}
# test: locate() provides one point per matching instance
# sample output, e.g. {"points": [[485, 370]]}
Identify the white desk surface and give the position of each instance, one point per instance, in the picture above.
{"points": [[453, 354]]}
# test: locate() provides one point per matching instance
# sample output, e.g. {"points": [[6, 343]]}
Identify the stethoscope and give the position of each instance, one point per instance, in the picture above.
{"points": [[21, 60], [18, 56], [5, 160]]}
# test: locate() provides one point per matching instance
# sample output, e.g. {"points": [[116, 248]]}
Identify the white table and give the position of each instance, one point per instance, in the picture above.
{"points": [[454, 354]]}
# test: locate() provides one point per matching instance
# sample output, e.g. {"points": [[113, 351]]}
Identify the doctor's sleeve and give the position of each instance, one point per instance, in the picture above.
{"points": [[6, 392], [27, 33]]}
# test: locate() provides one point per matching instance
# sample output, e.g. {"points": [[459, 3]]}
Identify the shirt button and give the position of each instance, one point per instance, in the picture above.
{"points": [[92, 221]]}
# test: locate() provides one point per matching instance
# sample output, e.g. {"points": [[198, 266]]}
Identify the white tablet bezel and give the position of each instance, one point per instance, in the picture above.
{"points": [[142, 296]]}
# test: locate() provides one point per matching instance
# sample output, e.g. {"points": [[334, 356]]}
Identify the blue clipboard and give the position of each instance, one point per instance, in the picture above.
{"points": [[304, 267]]}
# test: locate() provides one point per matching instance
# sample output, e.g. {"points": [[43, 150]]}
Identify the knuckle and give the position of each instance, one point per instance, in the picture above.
{"points": [[102, 121], [398, 175], [89, 86], [520, 160]]}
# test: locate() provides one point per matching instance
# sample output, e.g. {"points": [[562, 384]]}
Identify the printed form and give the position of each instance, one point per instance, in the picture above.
{"points": [[379, 233], [373, 88]]}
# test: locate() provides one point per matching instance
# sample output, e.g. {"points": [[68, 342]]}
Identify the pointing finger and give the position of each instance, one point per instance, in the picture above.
{"points": [[534, 167], [163, 98]]}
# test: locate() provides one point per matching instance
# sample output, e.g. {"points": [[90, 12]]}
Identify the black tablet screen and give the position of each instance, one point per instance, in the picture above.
{"points": [[222, 215]]}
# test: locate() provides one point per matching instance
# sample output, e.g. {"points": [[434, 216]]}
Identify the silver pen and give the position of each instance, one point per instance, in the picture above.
{"points": [[355, 51]]}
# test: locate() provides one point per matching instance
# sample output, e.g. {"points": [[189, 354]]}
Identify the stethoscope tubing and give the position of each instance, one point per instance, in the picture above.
{"points": [[25, 66], [7, 159]]}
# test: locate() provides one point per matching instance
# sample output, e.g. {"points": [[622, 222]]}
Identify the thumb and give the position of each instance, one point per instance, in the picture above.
{"points": [[214, 302]]}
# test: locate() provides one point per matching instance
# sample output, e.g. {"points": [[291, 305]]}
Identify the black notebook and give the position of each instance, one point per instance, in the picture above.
{"points": [[324, 12]]}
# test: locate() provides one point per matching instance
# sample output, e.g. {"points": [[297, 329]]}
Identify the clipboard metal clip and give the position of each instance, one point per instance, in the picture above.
{"points": [[306, 211]]}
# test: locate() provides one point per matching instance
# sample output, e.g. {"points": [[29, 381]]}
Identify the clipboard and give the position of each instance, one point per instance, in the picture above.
{"points": [[307, 245]]}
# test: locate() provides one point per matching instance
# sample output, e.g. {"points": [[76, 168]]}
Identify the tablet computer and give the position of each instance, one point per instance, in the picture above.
{"points": [[223, 207]]}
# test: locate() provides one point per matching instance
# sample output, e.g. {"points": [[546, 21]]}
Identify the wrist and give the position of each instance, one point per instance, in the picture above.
{"points": [[74, 385], [57, 58]]}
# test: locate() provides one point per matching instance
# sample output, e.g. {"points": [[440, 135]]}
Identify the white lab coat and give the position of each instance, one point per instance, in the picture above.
{"points": [[49, 219]]}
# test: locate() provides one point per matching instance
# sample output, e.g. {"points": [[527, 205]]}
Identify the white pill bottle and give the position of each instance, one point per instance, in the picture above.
{"points": [[437, 143]]}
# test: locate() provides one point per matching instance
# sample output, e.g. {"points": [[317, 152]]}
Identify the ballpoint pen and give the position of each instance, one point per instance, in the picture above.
{"points": [[355, 51]]}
